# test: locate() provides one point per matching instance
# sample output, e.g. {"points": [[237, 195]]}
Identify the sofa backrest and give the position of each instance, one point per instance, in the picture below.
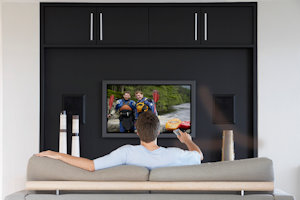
{"points": [[48, 169], [254, 169]]}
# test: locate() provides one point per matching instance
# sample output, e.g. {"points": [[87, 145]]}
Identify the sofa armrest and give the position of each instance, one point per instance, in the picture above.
{"points": [[20, 195], [281, 195]]}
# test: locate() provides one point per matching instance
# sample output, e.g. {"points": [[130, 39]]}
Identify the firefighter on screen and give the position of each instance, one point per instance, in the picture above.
{"points": [[127, 109], [143, 104]]}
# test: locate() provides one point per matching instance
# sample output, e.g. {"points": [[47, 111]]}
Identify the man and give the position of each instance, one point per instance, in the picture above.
{"points": [[126, 109], [147, 154], [143, 104]]}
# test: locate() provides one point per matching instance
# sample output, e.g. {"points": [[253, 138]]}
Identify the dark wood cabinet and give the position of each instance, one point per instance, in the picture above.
{"points": [[95, 25], [214, 44], [69, 25], [123, 25], [173, 25], [227, 25], [216, 25], [98, 24]]}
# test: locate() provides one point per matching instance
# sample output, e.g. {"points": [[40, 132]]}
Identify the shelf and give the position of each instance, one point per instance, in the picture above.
{"points": [[175, 46]]}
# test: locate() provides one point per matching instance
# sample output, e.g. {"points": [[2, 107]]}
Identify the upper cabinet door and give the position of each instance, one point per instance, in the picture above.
{"points": [[69, 25], [227, 25], [147, 25], [122, 25], [174, 25]]}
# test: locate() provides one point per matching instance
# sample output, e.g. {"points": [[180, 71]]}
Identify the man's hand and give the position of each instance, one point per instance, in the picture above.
{"points": [[187, 140], [184, 137], [50, 154]]}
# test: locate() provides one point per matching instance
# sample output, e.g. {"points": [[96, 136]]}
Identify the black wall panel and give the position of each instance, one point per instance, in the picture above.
{"points": [[216, 71]]}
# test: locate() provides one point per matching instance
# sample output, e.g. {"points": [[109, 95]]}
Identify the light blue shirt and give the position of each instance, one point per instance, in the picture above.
{"points": [[140, 156]]}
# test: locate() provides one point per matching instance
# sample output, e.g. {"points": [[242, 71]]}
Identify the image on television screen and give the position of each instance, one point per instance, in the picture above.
{"points": [[170, 102]]}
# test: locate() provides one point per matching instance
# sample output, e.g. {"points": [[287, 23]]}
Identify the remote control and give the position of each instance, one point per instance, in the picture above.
{"points": [[176, 132]]}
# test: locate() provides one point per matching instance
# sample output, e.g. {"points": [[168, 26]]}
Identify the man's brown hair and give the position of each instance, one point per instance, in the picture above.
{"points": [[127, 92], [147, 126], [139, 91]]}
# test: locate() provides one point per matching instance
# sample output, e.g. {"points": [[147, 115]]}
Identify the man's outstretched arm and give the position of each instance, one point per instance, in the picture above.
{"points": [[82, 163], [187, 140]]}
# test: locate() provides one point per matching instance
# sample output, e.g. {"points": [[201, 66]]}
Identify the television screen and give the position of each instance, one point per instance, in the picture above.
{"points": [[124, 101]]}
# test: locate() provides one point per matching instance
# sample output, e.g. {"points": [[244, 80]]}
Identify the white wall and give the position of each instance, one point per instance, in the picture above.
{"points": [[1, 104], [21, 91], [278, 89]]}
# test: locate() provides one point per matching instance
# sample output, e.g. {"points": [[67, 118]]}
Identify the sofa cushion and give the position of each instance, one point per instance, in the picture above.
{"points": [[254, 169], [48, 169], [145, 197]]}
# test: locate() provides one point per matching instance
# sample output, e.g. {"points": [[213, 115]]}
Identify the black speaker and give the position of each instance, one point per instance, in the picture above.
{"points": [[223, 109]]}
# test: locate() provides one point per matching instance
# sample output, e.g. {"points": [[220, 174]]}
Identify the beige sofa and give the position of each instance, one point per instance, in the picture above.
{"points": [[241, 179]]}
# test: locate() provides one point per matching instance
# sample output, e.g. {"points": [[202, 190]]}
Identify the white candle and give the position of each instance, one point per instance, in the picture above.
{"points": [[75, 124], [75, 136], [63, 132], [75, 146], [63, 120]]}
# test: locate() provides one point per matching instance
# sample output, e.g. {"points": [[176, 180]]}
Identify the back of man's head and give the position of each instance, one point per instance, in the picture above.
{"points": [[147, 126]]}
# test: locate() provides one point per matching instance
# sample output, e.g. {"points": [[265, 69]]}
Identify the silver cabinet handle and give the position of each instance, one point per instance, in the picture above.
{"points": [[205, 26], [92, 27], [101, 26], [196, 26]]}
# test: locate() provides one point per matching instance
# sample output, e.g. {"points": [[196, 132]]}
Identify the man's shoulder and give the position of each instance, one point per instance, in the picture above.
{"points": [[119, 101], [128, 146], [179, 151], [172, 149], [132, 102]]}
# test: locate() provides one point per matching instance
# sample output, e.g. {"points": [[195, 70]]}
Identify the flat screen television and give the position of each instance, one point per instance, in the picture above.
{"points": [[174, 102]]}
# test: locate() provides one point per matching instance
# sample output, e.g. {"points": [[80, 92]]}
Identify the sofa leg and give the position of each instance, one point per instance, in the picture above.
{"points": [[242, 192], [57, 192]]}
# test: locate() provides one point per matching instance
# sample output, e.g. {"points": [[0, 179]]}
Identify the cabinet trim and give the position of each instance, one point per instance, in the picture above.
{"points": [[92, 27], [101, 26], [196, 26]]}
